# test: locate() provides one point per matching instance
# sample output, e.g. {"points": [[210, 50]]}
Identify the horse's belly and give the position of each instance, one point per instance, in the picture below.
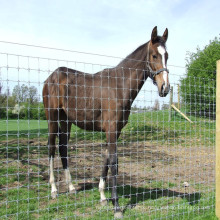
{"points": [[86, 119], [89, 126]]}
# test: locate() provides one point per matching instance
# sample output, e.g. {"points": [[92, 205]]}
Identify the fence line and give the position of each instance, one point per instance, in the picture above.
{"points": [[72, 51], [166, 164]]}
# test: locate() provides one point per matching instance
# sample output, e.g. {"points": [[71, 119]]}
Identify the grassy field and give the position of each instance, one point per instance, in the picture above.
{"points": [[155, 158], [143, 126]]}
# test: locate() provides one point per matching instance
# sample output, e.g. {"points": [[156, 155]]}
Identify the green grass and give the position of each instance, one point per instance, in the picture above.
{"points": [[27, 129], [143, 203], [153, 126], [28, 197]]}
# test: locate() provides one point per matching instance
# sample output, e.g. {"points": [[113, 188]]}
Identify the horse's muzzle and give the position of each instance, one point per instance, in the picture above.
{"points": [[164, 90]]}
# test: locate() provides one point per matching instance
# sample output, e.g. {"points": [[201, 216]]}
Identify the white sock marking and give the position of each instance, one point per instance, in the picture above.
{"points": [[101, 189], [52, 179], [69, 180]]}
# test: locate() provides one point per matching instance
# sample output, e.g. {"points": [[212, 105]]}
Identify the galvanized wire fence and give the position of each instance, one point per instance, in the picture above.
{"points": [[166, 164]]}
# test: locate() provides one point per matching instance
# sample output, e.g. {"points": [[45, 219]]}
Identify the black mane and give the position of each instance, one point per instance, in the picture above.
{"points": [[141, 51], [135, 56]]}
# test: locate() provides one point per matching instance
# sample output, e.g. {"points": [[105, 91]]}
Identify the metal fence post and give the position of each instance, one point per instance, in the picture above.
{"points": [[217, 143]]}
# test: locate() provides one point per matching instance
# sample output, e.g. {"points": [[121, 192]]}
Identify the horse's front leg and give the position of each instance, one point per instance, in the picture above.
{"points": [[102, 181], [113, 164]]}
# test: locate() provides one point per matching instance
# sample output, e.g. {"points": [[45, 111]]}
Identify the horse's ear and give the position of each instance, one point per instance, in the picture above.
{"points": [[154, 34], [165, 35]]}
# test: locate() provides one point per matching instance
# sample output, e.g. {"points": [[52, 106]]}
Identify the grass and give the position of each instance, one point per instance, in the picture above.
{"points": [[11, 129], [153, 126], [25, 192], [28, 203]]}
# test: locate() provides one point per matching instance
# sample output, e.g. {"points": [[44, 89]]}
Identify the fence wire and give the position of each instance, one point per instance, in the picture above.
{"points": [[166, 164]]}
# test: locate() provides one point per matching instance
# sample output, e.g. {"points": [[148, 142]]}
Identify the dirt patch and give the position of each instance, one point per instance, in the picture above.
{"points": [[24, 142], [141, 164]]}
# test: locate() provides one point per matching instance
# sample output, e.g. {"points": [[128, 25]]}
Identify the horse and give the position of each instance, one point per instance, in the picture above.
{"points": [[101, 102]]}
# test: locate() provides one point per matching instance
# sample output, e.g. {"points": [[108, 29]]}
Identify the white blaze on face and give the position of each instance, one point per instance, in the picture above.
{"points": [[162, 51]]}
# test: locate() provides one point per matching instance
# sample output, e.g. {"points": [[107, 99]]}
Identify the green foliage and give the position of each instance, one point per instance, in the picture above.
{"points": [[3, 100], [24, 93], [6, 104], [22, 104], [198, 88], [29, 111]]}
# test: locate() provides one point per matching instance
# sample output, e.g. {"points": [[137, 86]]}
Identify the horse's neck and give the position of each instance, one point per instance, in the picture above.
{"points": [[129, 74], [135, 82], [134, 67], [130, 79]]}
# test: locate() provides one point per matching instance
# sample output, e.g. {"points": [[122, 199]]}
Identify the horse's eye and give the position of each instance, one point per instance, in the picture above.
{"points": [[154, 56]]}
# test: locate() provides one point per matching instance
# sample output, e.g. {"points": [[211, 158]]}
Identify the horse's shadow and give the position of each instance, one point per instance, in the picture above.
{"points": [[140, 194]]}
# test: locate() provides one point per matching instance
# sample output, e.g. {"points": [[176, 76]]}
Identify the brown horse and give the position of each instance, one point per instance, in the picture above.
{"points": [[101, 102]]}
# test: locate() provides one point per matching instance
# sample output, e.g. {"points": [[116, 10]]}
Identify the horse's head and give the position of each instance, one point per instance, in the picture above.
{"points": [[157, 62]]}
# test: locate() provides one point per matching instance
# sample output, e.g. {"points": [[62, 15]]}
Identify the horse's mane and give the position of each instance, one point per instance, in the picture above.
{"points": [[134, 56], [141, 51]]}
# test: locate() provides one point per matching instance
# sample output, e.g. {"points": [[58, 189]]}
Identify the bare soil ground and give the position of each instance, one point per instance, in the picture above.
{"points": [[141, 164]]}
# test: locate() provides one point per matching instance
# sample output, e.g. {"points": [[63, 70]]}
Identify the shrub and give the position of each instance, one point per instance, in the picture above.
{"points": [[198, 87]]}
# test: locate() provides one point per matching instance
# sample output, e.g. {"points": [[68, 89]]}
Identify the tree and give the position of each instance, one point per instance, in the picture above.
{"points": [[24, 93], [20, 93], [156, 106], [33, 94], [198, 87], [1, 87], [23, 103], [3, 105], [7, 102], [165, 106]]}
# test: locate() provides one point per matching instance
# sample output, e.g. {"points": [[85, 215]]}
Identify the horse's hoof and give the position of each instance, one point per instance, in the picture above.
{"points": [[54, 195], [118, 215], [104, 202]]}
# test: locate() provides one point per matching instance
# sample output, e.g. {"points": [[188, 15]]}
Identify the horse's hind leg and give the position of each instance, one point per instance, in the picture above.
{"points": [[53, 129], [112, 136], [64, 135]]}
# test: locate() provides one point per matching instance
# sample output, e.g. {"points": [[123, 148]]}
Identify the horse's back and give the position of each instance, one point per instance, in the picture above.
{"points": [[89, 100], [74, 92]]}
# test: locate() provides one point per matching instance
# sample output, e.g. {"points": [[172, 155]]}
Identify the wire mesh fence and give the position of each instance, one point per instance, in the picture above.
{"points": [[166, 164]]}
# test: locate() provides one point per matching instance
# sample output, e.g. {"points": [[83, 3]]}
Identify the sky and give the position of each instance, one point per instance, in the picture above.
{"points": [[114, 28]]}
